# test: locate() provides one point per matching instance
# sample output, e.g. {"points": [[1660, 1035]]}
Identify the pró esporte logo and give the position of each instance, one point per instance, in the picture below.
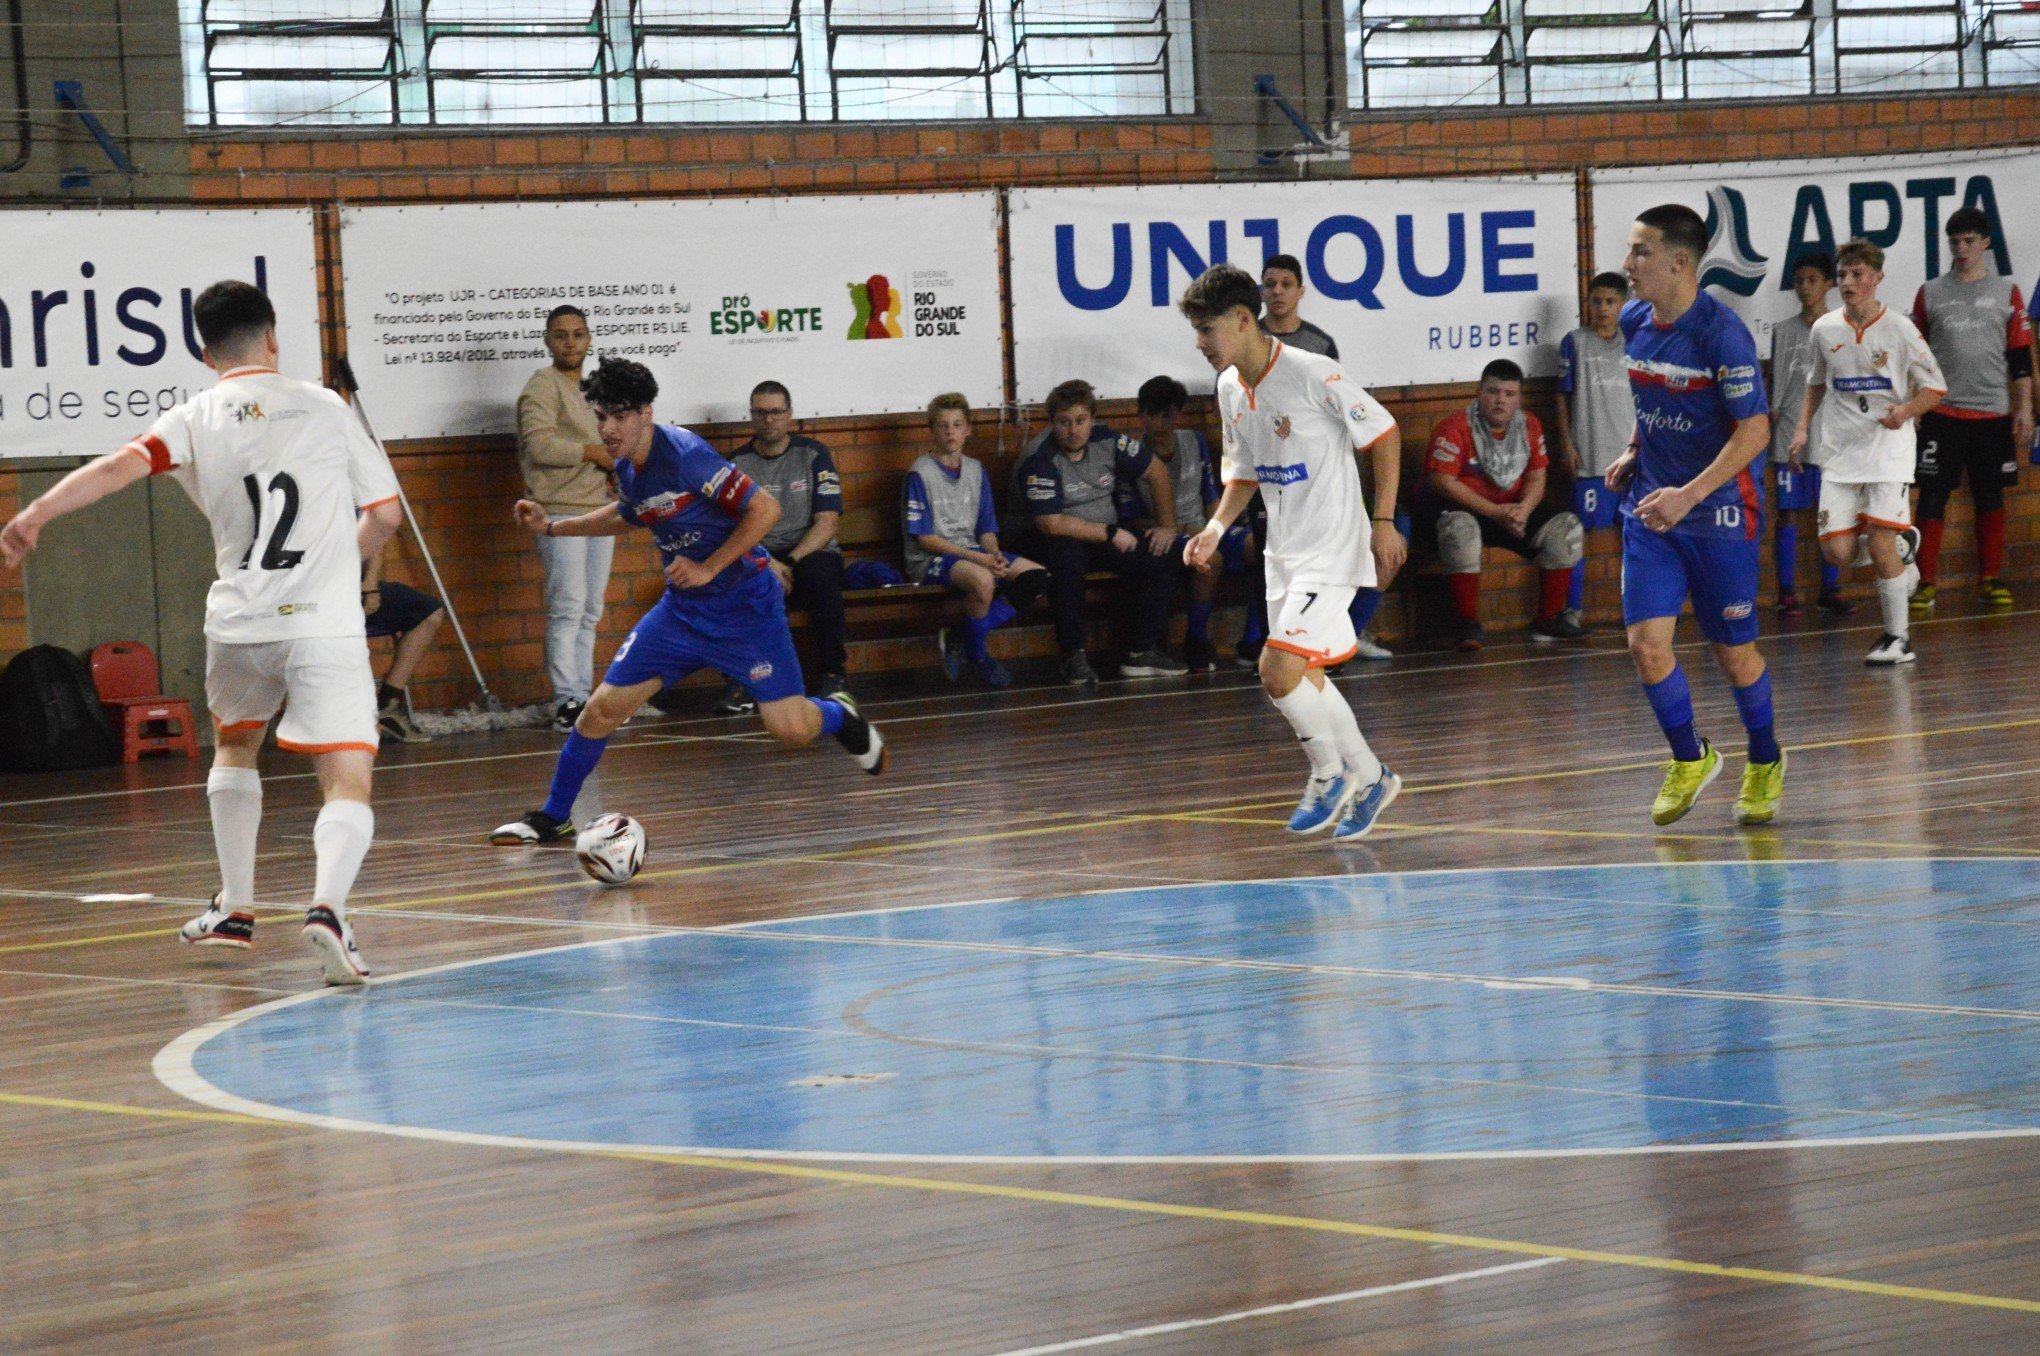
{"points": [[877, 305], [738, 318]]}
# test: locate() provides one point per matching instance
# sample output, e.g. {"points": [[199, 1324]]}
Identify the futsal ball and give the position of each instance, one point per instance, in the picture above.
{"points": [[611, 848]]}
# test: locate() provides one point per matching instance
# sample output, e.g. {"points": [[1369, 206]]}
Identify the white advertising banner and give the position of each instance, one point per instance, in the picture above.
{"points": [[1419, 281], [96, 336], [860, 305], [1763, 217]]}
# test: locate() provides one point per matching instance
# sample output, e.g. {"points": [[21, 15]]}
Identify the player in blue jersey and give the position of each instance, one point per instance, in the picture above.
{"points": [[722, 609], [1690, 514]]}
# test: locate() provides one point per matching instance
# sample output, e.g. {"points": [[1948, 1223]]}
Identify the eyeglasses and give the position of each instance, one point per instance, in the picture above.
{"points": [[757, 413]]}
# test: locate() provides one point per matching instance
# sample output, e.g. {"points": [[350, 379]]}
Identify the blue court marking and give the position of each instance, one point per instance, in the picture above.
{"points": [[1513, 1012]]}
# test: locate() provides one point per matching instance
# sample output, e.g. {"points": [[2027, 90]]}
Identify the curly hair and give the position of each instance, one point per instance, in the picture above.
{"points": [[620, 384]]}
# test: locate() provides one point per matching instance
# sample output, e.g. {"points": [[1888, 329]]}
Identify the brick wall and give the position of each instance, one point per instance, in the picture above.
{"points": [[462, 488]]}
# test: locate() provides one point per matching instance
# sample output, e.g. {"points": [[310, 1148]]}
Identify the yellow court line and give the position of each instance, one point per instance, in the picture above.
{"points": [[1260, 1218]]}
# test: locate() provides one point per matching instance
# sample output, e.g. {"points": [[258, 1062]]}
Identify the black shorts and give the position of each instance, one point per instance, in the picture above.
{"points": [[1949, 446], [403, 610]]}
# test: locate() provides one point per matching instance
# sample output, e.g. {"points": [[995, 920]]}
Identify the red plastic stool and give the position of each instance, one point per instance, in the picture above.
{"points": [[125, 676]]}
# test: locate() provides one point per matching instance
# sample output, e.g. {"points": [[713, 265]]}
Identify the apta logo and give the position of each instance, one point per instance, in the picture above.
{"points": [[1732, 263], [877, 303]]}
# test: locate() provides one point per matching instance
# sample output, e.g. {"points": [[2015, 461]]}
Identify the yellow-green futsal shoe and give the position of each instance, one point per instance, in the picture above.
{"points": [[1684, 781], [1763, 786]]}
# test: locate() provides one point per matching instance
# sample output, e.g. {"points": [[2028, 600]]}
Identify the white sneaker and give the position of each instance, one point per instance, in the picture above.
{"points": [[332, 941], [1909, 547], [1364, 647], [219, 927], [1891, 650]]}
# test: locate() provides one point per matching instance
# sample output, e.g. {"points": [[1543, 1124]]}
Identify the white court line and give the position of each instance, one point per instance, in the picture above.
{"points": [[174, 1067], [1266, 1310], [1246, 683]]}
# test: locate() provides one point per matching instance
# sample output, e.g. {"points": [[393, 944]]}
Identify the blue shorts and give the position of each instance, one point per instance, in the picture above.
{"points": [[1661, 569], [741, 635], [1594, 504], [1232, 548], [939, 568], [1792, 490]]}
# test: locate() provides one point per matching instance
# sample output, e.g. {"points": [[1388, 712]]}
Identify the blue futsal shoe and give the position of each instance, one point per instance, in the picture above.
{"points": [[1323, 799], [1367, 807]]}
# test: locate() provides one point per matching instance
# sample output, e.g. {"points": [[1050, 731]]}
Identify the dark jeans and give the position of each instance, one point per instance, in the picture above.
{"points": [[818, 591], [1150, 587]]}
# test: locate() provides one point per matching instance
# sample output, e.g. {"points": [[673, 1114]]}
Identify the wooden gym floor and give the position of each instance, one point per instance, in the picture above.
{"points": [[1518, 1073]]}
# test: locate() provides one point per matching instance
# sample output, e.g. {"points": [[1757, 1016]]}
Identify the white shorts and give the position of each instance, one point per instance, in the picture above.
{"points": [[323, 683], [1312, 620], [1847, 506]]}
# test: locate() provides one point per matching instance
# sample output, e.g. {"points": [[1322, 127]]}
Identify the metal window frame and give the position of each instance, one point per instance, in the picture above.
{"points": [[1692, 13], [1157, 26], [642, 28], [391, 72], [1503, 55], [987, 64], [594, 25], [1987, 40], [1648, 13]]}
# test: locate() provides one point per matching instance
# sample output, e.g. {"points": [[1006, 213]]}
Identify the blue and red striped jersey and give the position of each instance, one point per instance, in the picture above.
{"points": [[691, 499], [1693, 381]]}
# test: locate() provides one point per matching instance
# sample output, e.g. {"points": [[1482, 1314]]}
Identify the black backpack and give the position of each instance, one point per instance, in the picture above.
{"points": [[50, 716]]}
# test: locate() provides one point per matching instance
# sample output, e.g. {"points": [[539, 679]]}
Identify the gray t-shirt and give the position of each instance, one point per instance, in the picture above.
{"points": [[1049, 482], [803, 479], [1593, 376], [1791, 355], [1191, 476], [1308, 338], [1970, 326]]}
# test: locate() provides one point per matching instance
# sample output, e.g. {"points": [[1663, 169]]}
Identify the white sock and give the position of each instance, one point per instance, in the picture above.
{"points": [[340, 836], [1891, 598], [1314, 728], [235, 795], [1359, 760]]}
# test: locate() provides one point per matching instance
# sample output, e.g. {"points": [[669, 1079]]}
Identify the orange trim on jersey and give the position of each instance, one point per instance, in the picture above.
{"points": [[1843, 532], [1881, 309], [324, 748], [1318, 658], [1882, 522], [1255, 483], [1273, 358], [255, 371], [1957, 412], [389, 499], [1393, 427], [240, 726]]}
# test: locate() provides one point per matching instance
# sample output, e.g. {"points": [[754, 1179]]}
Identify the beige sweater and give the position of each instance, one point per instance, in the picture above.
{"points": [[554, 428]]}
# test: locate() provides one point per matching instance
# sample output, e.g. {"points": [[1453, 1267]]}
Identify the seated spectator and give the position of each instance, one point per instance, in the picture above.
{"points": [[414, 618], [1069, 481], [951, 537], [1193, 472], [798, 472], [1486, 487]]}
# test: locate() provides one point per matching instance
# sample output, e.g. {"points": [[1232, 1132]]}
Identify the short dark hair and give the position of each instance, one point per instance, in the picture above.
{"points": [[1859, 251], [231, 316], [1608, 282], [1501, 369], [1969, 221], [564, 308], [773, 388], [1161, 395], [1069, 395], [1816, 259], [1286, 262], [1220, 288], [1680, 226], [620, 384]]}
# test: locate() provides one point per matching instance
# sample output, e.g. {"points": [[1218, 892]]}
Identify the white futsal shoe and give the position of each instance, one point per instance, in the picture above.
{"points": [[332, 941], [219, 927]]}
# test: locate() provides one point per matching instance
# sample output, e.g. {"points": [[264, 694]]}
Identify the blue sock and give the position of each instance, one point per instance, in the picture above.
{"points": [[1754, 702], [1001, 612], [1256, 629], [1366, 602], [1576, 591], [1200, 620], [1672, 700], [1830, 576], [975, 629], [578, 757], [1786, 553], [832, 714]]}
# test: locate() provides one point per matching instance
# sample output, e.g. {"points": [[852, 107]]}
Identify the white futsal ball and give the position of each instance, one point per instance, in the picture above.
{"points": [[611, 848]]}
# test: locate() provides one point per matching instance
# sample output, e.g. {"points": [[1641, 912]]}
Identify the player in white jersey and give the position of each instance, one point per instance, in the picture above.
{"points": [[1870, 374], [1290, 423], [279, 469]]}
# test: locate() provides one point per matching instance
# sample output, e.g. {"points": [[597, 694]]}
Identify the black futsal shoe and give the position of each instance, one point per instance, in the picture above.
{"points": [[860, 736], [535, 827]]}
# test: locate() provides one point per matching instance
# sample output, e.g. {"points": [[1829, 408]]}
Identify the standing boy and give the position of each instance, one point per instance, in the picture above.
{"points": [[1596, 417], [1795, 477]]}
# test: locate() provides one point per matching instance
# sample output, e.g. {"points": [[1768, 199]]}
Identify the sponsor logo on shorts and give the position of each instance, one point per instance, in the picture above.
{"points": [[1282, 475], [1736, 611], [295, 609], [761, 671]]}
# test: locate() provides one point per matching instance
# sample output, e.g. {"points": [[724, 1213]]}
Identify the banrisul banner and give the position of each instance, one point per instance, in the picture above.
{"points": [[859, 305], [1419, 281], [1764, 217], [96, 336]]}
